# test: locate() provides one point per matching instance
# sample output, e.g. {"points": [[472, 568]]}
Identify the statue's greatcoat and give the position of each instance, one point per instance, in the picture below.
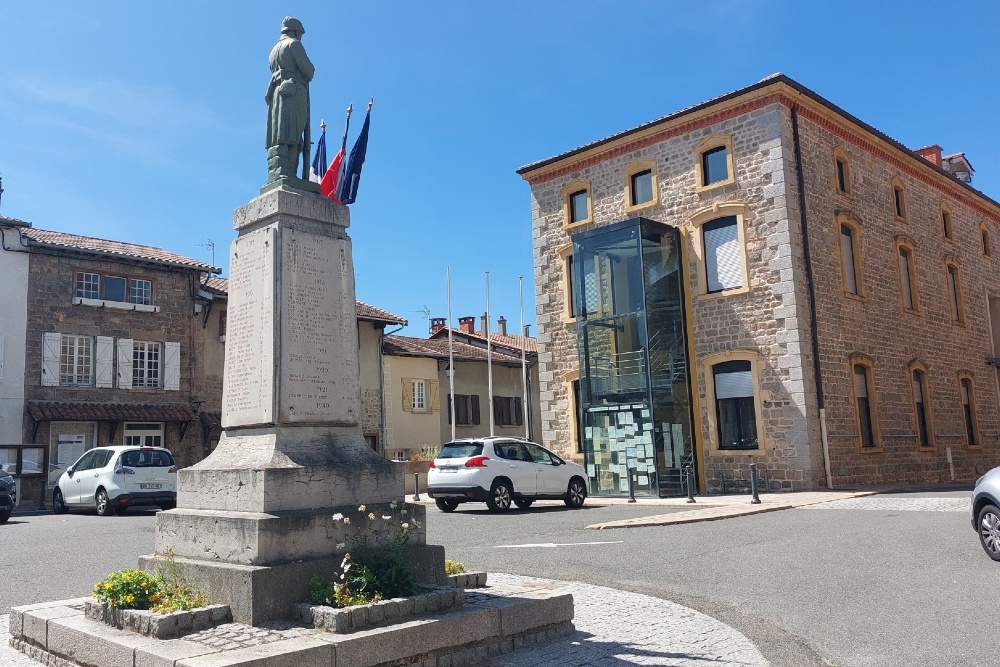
{"points": [[288, 93]]}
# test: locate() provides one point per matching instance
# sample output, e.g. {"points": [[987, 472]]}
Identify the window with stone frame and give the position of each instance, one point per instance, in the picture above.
{"points": [[508, 411], [579, 210], [723, 255], [863, 394], [842, 172], [921, 407], [954, 292], [735, 408], [714, 165], [641, 187], [907, 278], [76, 361], [968, 397], [898, 199], [984, 240], [849, 258], [577, 204], [946, 228], [147, 360], [466, 409]]}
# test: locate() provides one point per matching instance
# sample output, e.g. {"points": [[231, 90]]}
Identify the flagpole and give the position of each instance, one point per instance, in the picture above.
{"points": [[524, 365], [451, 362], [489, 353]]}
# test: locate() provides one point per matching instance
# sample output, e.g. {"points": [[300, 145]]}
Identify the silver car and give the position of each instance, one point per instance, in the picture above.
{"points": [[986, 512]]}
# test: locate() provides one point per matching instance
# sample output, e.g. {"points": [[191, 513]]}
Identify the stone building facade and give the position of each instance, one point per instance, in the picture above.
{"points": [[798, 342], [115, 340]]}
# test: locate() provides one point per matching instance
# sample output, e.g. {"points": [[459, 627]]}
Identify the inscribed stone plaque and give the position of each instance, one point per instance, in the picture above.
{"points": [[319, 340], [248, 389]]}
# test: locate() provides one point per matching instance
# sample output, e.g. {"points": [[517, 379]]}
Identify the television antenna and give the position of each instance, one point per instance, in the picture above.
{"points": [[425, 311], [208, 244]]}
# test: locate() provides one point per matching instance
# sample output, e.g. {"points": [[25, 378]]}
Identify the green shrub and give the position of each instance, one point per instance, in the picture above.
{"points": [[175, 593], [453, 567], [129, 589]]}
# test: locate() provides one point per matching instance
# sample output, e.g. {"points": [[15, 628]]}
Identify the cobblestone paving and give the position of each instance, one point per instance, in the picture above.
{"points": [[231, 636], [896, 504], [615, 629]]}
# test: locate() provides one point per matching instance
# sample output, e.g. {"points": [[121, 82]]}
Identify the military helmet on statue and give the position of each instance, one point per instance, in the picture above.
{"points": [[291, 24]]}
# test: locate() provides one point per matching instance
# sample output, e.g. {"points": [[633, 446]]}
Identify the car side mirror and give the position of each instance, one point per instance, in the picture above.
{"points": [[69, 471]]}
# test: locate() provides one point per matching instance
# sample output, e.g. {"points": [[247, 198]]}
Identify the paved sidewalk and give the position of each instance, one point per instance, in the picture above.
{"points": [[713, 508], [613, 629]]}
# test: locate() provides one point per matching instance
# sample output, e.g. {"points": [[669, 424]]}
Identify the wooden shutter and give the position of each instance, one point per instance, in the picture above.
{"points": [[125, 346], [435, 396], [51, 348], [475, 410], [104, 372], [408, 394], [518, 412], [172, 366]]}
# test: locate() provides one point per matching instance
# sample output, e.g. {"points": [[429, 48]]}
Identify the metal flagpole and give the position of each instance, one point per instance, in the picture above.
{"points": [[489, 353], [451, 362], [524, 366]]}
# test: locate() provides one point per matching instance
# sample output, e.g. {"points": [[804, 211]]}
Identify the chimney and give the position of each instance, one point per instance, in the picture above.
{"points": [[930, 153], [527, 331], [437, 323], [467, 324], [484, 323], [502, 326]]}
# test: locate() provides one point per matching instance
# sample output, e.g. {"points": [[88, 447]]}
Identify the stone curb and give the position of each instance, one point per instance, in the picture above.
{"points": [[718, 512], [160, 626], [397, 610], [467, 580]]}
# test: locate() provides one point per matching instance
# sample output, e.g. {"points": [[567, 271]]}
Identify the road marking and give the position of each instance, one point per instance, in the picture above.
{"points": [[550, 545]]}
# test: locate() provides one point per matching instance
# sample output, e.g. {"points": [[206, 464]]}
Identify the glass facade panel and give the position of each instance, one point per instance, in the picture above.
{"points": [[635, 399]]}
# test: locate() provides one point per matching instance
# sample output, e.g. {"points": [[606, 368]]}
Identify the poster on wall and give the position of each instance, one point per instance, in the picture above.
{"points": [[69, 449]]}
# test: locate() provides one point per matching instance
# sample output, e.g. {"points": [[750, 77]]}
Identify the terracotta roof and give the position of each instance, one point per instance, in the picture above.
{"points": [[511, 341], [4, 220], [145, 412], [404, 346], [217, 285], [45, 238], [210, 420], [366, 312]]}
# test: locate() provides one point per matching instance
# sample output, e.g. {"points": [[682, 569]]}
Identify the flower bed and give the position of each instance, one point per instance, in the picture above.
{"points": [[467, 580], [161, 626], [345, 619]]}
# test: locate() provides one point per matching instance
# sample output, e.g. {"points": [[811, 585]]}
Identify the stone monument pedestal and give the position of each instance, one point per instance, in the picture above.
{"points": [[255, 520]]}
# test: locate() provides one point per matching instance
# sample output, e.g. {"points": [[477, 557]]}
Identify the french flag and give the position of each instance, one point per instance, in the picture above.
{"points": [[318, 169]]}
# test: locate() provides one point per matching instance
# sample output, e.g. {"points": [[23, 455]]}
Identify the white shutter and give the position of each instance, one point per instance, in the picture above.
{"points": [[1, 357], [733, 385], [847, 250], [722, 255], [104, 362], [125, 363], [51, 347], [172, 366]]}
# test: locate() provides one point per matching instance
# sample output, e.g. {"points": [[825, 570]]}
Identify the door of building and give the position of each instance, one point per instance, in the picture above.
{"points": [[143, 434]]}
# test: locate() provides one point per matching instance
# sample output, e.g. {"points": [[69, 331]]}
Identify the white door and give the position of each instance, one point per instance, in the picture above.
{"points": [[549, 477], [143, 434], [518, 466], [89, 477], [71, 487]]}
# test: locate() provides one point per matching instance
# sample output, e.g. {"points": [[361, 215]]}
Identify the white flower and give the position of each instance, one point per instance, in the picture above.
{"points": [[347, 519], [392, 505], [371, 515], [340, 545], [405, 526], [338, 516], [386, 517]]}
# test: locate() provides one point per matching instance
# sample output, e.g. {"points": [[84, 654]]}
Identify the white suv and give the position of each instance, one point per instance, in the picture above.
{"points": [[501, 471], [112, 479]]}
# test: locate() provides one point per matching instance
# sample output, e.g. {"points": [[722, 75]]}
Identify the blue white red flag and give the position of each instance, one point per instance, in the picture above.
{"points": [[318, 168], [348, 185], [334, 176]]}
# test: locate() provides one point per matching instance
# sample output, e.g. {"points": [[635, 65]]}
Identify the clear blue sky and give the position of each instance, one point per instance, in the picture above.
{"points": [[144, 122]]}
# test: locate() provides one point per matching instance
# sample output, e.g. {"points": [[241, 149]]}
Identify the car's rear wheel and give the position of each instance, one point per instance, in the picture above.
{"points": [[989, 531], [500, 497], [168, 506], [523, 503], [104, 507], [576, 493], [121, 509], [58, 503], [4, 515], [446, 504]]}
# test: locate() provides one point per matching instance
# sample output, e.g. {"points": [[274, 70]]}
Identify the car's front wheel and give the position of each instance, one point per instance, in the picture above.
{"points": [[446, 504], [989, 531], [104, 507], [500, 497], [58, 503], [576, 493]]}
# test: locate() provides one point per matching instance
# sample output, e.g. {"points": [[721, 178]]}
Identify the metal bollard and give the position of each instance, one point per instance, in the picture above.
{"points": [[690, 484], [416, 487], [631, 486], [753, 484]]}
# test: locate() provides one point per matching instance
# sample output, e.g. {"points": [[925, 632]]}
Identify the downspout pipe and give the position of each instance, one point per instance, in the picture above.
{"points": [[820, 401]]}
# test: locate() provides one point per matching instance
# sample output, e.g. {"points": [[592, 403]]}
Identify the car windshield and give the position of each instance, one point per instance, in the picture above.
{"points": [[460, 450], [147, 458]]}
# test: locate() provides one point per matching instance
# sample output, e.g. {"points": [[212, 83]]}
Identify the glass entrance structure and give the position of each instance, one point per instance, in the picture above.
{"points": [[635, 389]]}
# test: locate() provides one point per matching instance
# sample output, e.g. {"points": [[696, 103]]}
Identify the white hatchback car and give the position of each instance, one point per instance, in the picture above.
{"points": [[501, 471], [112, 479]]}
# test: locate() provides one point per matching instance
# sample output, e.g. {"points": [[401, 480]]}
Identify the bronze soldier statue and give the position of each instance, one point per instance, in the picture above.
{"points": [[287, 101]]}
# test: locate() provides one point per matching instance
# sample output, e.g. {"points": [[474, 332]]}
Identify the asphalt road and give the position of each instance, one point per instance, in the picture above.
{"points": [[846, 587]]}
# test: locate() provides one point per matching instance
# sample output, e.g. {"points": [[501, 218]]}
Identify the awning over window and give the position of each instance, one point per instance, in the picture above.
{"points": [[132, 412]]}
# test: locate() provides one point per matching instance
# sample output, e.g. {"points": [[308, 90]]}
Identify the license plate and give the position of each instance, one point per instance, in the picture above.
{"points": [[449, 469], [150, 486]]}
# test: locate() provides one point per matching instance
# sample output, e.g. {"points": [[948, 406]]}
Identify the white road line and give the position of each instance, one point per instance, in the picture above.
{"points": [[549, 545]]}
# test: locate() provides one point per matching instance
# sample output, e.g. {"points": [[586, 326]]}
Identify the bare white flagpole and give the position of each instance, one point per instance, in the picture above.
{"points": [[524, 366], [451, 362], [489, 352]]}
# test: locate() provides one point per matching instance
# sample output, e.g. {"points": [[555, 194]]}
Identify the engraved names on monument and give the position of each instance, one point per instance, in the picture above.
{"points": [[248, 393]]}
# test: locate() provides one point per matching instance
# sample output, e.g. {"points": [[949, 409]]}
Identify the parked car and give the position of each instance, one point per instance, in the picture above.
{"points": [[986, 512], [112, 479], [500, 471], [8, 496]]}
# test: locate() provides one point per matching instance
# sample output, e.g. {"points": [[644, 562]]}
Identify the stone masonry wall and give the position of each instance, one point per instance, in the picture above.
{"points": [[51, 287], [767, 318], [878, 327]]}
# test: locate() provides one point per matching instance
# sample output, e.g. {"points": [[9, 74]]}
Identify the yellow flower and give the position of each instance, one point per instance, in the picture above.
{"points": [[129, 598], [107, 586], [347, 519], [371, 516], [361, 508]]}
